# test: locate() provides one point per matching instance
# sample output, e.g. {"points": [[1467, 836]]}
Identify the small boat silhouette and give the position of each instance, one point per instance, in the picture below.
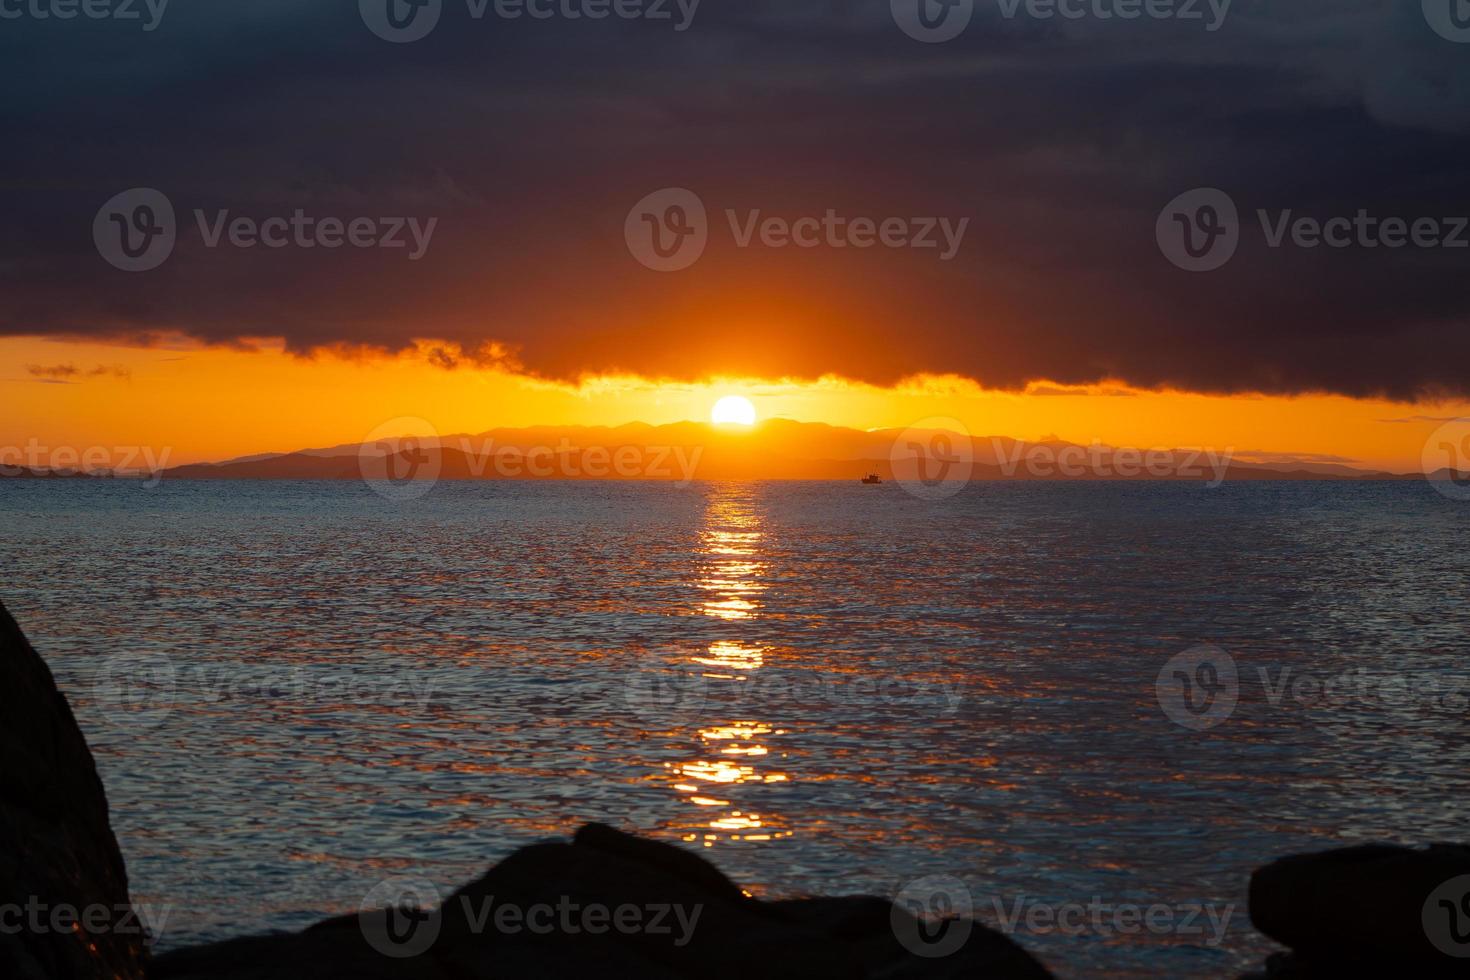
{"points": [[872, 479]]}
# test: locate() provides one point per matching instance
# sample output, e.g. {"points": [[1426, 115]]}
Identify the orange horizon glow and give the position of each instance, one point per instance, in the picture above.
{"points": [[203, 403]]}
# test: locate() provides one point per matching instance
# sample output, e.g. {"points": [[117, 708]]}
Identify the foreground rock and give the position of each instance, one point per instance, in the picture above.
{"points": [[1376, 910], [62, 878], [711, 929]]}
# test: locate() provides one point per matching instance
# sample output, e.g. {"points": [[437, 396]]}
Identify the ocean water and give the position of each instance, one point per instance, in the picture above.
{"points": [[296, 691]]}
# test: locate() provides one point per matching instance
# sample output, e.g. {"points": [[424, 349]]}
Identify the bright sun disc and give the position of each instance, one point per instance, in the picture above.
{"points": [[734, 410]]}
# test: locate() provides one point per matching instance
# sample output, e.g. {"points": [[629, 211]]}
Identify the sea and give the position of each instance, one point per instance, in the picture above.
{"points": [[1081, 712]]}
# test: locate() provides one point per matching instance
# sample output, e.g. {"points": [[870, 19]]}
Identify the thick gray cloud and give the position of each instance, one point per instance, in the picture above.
{"points": [[1061, 141]]}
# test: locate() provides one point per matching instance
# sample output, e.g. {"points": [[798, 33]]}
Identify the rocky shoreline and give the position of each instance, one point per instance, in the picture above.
{"points": [[660, 911]]}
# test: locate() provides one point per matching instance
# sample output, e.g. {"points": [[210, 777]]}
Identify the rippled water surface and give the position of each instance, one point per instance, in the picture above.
{"points": [[297, 690]]}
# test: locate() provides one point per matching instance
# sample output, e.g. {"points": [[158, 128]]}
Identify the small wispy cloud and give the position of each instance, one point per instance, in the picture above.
{"points": [[1416, 419], [54, 372], [68, 373], [1276, 456]]}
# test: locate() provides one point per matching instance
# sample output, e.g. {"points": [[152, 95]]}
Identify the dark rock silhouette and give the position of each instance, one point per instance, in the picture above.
{"points": [[1375, 910], [735, 936], [59, 860]]}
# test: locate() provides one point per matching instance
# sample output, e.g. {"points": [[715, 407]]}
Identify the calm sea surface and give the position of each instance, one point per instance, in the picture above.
{"points": [[297, 690]]}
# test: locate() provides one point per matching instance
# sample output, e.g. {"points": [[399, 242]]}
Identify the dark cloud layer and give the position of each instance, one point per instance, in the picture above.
{"points": [[529, 141]]}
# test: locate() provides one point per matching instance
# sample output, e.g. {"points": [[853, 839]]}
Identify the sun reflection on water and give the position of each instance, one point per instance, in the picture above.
{"points": [[735, 755]]}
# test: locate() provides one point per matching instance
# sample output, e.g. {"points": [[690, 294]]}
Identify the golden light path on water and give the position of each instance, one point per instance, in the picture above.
{"points": [[737, 752]]}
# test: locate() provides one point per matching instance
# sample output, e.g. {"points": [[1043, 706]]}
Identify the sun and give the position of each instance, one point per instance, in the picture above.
{"points": [[734, 410]]}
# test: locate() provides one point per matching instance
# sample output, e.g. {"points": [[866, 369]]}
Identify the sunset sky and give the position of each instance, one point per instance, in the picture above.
{"points": [[1057, 314], [213, 403]]}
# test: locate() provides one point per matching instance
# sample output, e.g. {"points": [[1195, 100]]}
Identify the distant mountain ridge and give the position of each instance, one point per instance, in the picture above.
{"points": [[778, 449]]}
